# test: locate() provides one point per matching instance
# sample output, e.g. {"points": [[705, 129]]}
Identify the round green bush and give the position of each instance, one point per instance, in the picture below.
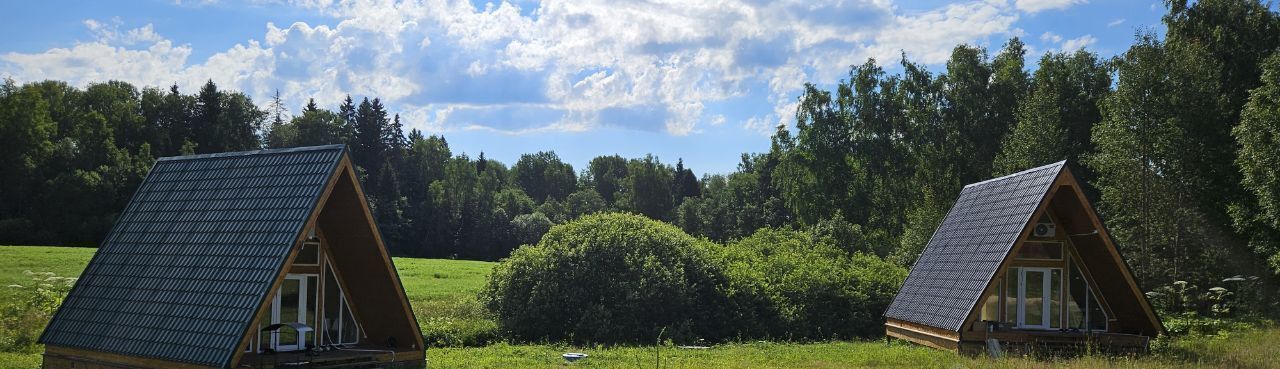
{"points": [[799, 286], [610, 278], [621, 278]]}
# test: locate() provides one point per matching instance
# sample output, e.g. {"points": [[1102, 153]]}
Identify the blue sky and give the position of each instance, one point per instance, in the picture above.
{"points": [[702, 81]]}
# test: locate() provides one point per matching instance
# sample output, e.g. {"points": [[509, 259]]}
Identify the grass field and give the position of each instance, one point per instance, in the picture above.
{"points": [[442, 293]]}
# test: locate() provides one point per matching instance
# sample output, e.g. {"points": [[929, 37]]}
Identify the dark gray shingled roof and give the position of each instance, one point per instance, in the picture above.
{"points": [[966, 250], [183, 270]]}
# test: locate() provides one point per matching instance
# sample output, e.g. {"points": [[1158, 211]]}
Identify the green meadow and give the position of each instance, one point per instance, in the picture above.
{"points": [[442, 293]]}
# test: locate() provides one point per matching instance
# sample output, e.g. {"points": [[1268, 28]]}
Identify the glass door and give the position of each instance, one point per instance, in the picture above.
{"points": [[1033, 298], [290, 306]]}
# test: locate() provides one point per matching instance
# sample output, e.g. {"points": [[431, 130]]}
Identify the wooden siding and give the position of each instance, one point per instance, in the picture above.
{"points": [[921, 334], [56, 357]]}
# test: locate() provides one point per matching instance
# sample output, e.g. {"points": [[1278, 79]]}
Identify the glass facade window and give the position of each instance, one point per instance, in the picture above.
{"points": [[1077, 294], [264, 339], [340, 326], [1033, 298], [317, 300], [350, 330], [332, 307], [1046, 297], [313, 285], [1011, 297], [1083, 310], [290, 297], [1055, 299], [991, 305], [1097, 317]]}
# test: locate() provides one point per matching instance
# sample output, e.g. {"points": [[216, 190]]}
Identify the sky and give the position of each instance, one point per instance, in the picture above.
{"points": [[679, 79]]}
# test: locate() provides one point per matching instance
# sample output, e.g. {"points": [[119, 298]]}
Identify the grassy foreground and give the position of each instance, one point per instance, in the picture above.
{"points": [[442, 293], [1251, 350]]}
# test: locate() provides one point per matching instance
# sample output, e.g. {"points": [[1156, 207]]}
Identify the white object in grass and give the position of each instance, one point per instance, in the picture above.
{"points": [[573, 356]]}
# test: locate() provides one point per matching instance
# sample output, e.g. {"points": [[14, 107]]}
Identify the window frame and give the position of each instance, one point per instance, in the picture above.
{"points": [[343, 309]]}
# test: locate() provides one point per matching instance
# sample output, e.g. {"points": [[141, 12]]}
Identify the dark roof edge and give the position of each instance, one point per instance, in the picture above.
{"points": [[1059, 163], [253, 152]]}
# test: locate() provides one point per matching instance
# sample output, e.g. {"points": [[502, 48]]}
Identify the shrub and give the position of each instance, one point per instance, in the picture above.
{"points": [[24, 314], [1191, 324], [807, 288], [609, 278], [455, 323], [529, 228], [620, 278]]}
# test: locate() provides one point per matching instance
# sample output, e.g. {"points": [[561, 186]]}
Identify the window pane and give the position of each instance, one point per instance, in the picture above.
{"points": [[1055, 299], [264, 339], [332, 306], [1011, 298], [991, 306], [1097, 317], [313, 284], [350, 331], [289, 313], [1040, 251], [1033, 309], [1076, 298]]}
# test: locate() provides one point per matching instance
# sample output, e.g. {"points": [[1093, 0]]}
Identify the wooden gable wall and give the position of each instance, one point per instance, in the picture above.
{"points": [[1101, 262]]}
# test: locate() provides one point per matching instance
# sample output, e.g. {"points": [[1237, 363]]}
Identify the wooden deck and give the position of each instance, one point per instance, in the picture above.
{"points": [[1066, 342]]}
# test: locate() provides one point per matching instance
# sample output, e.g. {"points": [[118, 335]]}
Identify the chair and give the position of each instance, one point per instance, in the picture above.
{"points": [[303, 357]]}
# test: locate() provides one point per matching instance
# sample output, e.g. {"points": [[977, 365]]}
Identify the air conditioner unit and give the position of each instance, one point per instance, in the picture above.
{"points": [[1044, 230]]}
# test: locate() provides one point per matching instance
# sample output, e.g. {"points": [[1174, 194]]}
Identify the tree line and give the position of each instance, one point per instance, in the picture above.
{"points": [[1175, 138], [75, 156]]}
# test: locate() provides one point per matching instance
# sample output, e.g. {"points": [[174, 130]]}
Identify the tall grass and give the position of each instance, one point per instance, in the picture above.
{"points": [[29, 307], [443, 295], [1253, 349]]}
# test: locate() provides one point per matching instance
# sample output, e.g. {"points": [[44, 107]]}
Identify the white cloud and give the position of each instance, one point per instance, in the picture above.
{"points": [[563, 66], [1036, 6], [1051, 37], [929, 37], [759, 124], [1078, 43], [109, 32], [717, 120], [1116, 22], [1067, 45], [158, 64]]}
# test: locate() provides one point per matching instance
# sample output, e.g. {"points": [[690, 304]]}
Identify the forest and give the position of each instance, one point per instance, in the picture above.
{"points": [[1178, 139]]}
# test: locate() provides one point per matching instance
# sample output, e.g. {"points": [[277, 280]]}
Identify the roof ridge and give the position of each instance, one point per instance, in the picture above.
{"points": [[253, 152], [1007, 176]]}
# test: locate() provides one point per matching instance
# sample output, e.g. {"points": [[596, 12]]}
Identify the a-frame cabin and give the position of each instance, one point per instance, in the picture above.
{"points": [[254, 259], [1022, 260]]}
